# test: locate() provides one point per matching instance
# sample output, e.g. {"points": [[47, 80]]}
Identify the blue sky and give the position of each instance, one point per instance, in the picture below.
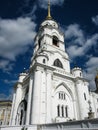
{"points": [[19, 23]]}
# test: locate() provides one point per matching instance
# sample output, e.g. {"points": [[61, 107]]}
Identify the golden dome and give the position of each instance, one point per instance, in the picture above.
{"points": [[96, 76]]}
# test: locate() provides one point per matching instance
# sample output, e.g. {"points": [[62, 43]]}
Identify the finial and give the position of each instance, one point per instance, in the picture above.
{"points": [[49, 15], [75, 64]]}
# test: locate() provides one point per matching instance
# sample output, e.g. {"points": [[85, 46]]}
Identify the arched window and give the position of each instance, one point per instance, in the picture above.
{"points": [[55, 41], [58, 63], [21, 113]]}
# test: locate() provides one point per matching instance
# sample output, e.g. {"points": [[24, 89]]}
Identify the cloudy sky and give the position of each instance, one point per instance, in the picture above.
{"points": [[19, 23]]}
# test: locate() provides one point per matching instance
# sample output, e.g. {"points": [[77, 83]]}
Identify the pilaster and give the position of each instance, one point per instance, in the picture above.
{"points": [[35, 112], [17, 101], [48, 99], [12, 110], [28, 114]]}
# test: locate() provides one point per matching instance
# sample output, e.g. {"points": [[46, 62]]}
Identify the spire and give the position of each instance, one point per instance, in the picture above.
{"points": [[49, 15]]}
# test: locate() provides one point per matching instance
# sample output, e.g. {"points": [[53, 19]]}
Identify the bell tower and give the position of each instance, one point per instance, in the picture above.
{"points": [[49, 55], [50, 39], [49, 64]]}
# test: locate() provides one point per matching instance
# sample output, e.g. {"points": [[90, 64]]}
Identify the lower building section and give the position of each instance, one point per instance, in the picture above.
{"points": [[71, 125]]}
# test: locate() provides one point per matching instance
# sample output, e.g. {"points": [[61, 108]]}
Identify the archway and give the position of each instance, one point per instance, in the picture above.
{"points": [[21, 113]]}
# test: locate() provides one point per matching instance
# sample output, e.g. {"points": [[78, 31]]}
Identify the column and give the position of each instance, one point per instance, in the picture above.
{"points": [[29, 101], [35, 113]]}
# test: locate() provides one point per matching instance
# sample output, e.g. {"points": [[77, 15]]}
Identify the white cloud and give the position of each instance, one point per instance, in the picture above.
{"points": [[93, 62], [9, 81], [74, 31], [15, 36], [44, 3], [90, 71], [78, 43], [95, 20], [6, 66], [3, 63]]}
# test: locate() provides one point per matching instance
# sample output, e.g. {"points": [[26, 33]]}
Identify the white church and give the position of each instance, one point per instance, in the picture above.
{"points": [[50, 92]]}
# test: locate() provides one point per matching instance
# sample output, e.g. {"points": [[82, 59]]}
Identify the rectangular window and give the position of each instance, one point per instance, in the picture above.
{"points": [[58, 111], [62, 111], [64, 96], [59, 95], [66, 111], [84, 96]]}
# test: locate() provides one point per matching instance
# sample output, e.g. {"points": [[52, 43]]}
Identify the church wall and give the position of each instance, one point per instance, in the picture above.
{"points": [[83, 98]]}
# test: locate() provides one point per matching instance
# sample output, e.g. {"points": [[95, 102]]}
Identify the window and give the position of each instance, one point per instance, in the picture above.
{"points": [[62, 111], [58, 63], [59, 94], [43, 60], [58, 110], [84, 96], [62, 108], [55, 41], [0, 122], [21, 117], [2, 114], [62, 95], [39, 42], [66, 111]]}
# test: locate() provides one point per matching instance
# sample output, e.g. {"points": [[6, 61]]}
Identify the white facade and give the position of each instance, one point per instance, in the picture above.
{"points": [[51, 92]]}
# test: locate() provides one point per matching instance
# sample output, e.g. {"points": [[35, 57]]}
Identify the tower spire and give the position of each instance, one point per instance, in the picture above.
{"points": [[49, 14]]}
